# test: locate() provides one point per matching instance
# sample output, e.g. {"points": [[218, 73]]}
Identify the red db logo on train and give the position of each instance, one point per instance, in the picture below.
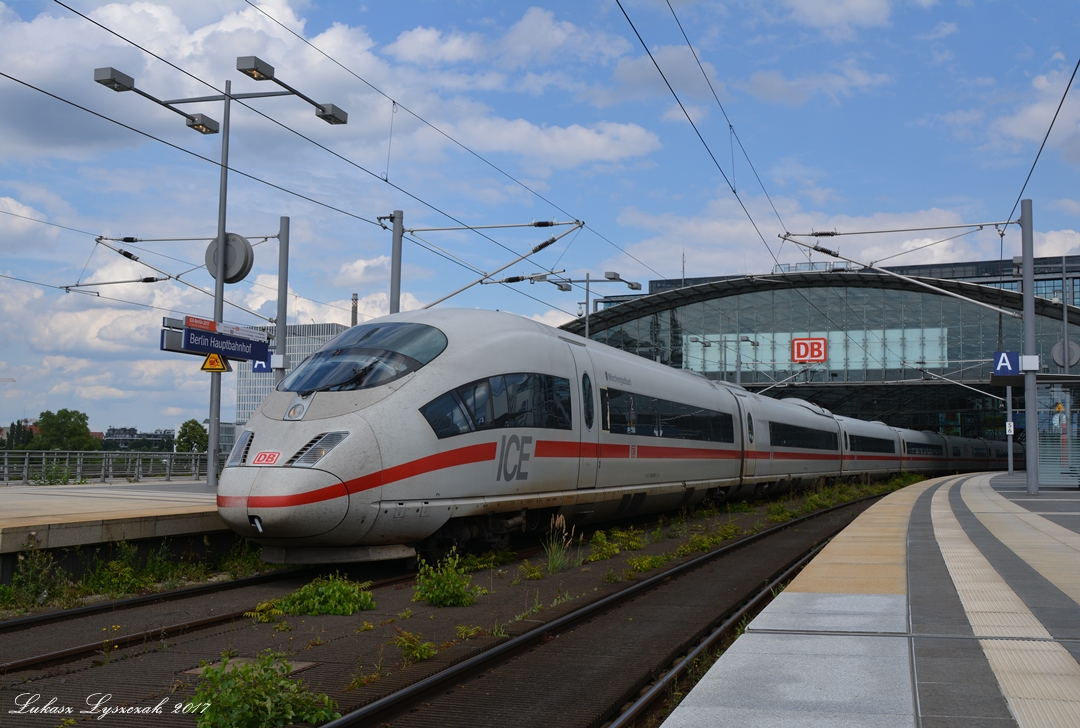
{"points": [[809, 350], [266, 458]]}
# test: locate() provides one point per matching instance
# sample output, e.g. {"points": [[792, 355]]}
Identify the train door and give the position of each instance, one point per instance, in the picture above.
{"points": [[749, 441], [587, 418]]}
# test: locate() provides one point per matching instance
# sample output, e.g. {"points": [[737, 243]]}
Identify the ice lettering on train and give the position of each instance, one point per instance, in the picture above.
{"points": [[521, 446]]}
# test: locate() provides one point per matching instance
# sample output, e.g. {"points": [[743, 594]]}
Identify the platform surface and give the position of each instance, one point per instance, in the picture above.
{"points": [[75, 515], [952, 602]]}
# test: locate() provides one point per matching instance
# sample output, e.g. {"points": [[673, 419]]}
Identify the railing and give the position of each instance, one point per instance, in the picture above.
{"points": [[54, 467]]}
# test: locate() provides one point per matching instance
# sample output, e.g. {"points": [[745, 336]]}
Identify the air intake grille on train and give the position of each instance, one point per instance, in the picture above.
{"points": [[240, 450], [316, 449]]}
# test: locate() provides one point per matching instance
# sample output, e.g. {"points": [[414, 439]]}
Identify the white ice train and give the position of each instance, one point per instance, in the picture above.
{"points": [[435, 426]]}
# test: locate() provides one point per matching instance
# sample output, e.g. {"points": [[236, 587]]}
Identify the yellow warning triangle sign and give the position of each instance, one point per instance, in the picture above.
{"points": [[216, 363]]}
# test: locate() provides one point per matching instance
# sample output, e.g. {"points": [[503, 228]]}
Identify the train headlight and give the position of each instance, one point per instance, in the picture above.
{"points": [[296, 412], [318, 448]]}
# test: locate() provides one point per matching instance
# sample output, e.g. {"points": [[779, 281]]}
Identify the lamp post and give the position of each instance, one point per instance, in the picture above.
{"points": [[564, 284], [258, 70]]}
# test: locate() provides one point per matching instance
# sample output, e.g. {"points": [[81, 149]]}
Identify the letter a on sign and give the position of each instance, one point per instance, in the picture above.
{"points": [[216, 363]]}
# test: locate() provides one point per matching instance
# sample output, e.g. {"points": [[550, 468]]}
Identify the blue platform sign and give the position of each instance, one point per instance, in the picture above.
{"points": [[1007, 364], [230, 347], [261, 365]]}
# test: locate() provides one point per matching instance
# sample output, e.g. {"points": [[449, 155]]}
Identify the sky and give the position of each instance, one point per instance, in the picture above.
{"points": [[807, 115]]}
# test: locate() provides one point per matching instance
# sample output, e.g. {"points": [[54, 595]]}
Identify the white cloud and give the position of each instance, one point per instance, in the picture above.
{"points": [[539, 39], [431, 46], [675, 113], [17, 233], [552, 318], [559, 147], [101, 392], [846, 80], [1072, 207], [1029, 122], [636, 78], [839, 18], [1057, 242], [361, 271], [941, 30]]}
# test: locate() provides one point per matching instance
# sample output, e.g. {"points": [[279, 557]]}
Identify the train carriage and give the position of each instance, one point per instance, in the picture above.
{"points": [[451, 425], [870, 448]]}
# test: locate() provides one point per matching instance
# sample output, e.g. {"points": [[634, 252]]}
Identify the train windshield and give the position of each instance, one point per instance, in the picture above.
{"points": [[366, 356]]}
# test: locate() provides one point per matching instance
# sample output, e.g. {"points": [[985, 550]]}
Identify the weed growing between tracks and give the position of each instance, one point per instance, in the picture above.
{"points": [[334, 594], [258, 693], [446, 584]]}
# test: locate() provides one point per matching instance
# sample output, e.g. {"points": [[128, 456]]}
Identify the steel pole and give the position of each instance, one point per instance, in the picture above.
{"points": [[1031, 392], [281, 325], [587, 307], [214, 444], [398, 218], [738, 364], [1009, 419], [355, 301]]}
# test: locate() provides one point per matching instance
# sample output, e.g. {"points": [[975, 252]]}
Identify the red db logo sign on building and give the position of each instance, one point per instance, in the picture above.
{"points": [[809, 350]]}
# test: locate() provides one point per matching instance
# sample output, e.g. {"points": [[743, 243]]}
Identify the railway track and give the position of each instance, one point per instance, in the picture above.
{"points": [[603, 654], [144, 619], [582, 668]]}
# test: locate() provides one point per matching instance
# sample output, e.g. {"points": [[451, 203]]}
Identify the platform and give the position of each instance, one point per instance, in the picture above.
{"points": [[63, 516], [953, 602]]}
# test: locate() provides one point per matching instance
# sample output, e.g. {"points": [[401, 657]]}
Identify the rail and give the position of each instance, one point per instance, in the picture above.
{"points": [[61, 467]]}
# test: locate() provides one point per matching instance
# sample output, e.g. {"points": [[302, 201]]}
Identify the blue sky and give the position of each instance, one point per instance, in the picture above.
{"points": [[855, 114]]}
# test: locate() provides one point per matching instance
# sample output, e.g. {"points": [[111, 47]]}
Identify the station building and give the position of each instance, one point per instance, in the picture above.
{"points": [[905, 352], [252, 387]]}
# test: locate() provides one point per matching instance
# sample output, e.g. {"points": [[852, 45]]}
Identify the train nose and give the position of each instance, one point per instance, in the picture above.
{"points": [[273, 503]]}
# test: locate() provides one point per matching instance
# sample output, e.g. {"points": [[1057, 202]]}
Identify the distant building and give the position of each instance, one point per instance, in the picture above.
{"points": [[226, 434], [253, 387], [124, 437]]}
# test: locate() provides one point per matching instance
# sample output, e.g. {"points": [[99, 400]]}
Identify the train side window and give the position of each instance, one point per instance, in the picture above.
{"points": [[446, 416], [587, 400], [782, 434], [847, 442], [629, 413], [508, 400], [750, 426], [862, 443]]}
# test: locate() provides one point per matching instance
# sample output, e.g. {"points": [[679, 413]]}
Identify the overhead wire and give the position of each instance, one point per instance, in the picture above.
{"points": [[311, 141], [731, 127], [735, 193], [447, 136], [1045, 137]]}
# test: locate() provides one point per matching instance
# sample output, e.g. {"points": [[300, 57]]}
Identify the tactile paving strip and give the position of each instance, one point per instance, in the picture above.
{"points": [[1040, 680]]}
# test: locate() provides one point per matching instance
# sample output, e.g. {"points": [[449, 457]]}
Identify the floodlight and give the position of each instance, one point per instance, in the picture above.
{"points": [[331, 114], [254, 67], [612, 276], [564, 286], [633, 286], [202, 124], [114, 79]]}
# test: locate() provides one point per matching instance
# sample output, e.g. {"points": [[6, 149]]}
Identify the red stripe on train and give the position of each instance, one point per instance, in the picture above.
{"points": [[565, 449], [440, 461]]}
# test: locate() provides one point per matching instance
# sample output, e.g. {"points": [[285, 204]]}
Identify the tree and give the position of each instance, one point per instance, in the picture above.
{"points": [[64, 430], [18, 437], [191, 437]]}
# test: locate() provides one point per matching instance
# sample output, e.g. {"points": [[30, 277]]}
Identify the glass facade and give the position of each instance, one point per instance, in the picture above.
{"points": [[877, 338], [253, 387]]}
